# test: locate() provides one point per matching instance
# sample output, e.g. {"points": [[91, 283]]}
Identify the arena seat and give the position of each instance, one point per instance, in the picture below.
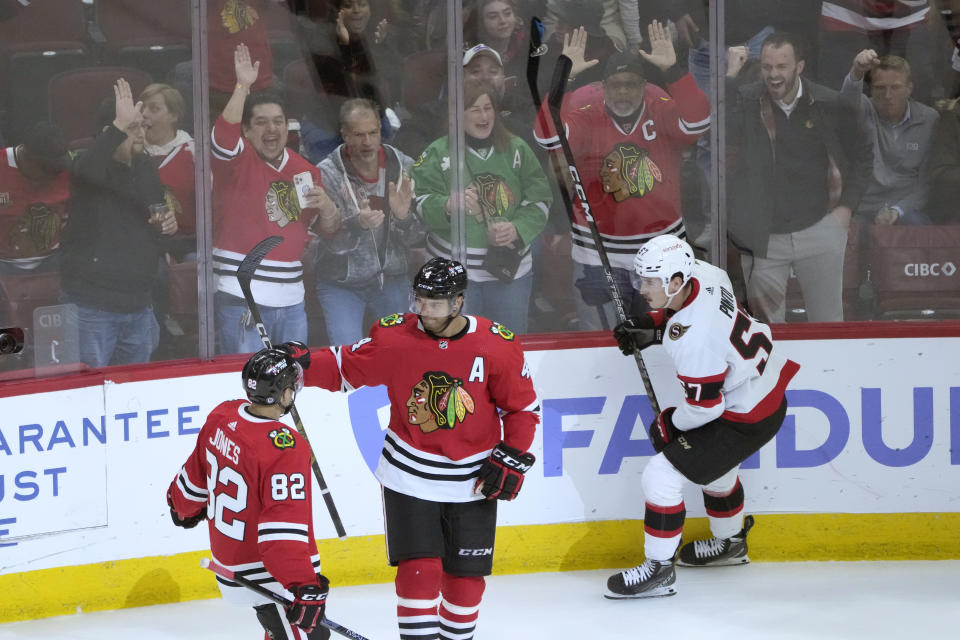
{"points": [[76, 95], [152, 35], [914, 271]]}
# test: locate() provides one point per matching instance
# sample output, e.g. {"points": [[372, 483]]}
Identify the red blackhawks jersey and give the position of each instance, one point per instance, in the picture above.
{"points": [[725, 359], [631, 176], [252, 476], [175, 166], [32, 215], [252, 200], [451, 400], [873, 15]]}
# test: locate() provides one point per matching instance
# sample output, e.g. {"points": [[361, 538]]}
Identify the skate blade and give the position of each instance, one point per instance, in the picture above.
{"points": [[731, 562], [659, 592]]}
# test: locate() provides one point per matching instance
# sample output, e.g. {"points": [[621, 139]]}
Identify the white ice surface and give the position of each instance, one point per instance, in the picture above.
{"points": [[772, 601]]}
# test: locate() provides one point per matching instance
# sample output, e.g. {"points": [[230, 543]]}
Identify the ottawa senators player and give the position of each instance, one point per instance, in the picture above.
{"points": [[463, 413], [249, 476], [733, 380]]}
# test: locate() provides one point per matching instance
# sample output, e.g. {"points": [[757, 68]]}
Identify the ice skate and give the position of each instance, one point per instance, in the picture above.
{"points": [[651, 579], [717, 552]]}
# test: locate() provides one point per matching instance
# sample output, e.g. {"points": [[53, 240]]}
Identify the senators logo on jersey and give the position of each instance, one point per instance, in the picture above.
{"points": [[677, 330], [628, 172], [282, 438], [438, 401]]}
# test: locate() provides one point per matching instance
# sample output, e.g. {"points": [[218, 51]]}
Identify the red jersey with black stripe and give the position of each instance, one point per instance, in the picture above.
{"points": [[252, 476], [631, 173], [451, 400], [726, 360]]}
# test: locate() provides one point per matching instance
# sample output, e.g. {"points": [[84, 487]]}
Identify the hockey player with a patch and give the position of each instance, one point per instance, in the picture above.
{"points": [[734, 379], [448, 398], [249, 477]]}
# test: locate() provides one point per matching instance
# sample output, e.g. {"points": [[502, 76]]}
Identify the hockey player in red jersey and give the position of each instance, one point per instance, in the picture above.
{"points": [[249, 476], [463, 413], [733, 380], [627, 136]]}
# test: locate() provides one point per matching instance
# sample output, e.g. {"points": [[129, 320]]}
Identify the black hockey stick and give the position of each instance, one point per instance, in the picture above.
{"points": [[555, 101], [244, 275], [227, 574]]}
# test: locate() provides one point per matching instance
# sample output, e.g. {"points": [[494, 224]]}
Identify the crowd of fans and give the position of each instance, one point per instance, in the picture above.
{"points": [[841, 117]]}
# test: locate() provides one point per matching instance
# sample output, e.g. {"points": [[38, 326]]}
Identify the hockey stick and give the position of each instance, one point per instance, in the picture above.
{"points": [[244, 275], [227, 574], [555, 101], [537, 49]]}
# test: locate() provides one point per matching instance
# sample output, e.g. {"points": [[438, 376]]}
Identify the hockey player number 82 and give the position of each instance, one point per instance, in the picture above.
{"points": [[749, 349], [281, 488]]}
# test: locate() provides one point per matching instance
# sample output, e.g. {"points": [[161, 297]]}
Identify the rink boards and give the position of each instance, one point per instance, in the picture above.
{"points": [[865, 467]]}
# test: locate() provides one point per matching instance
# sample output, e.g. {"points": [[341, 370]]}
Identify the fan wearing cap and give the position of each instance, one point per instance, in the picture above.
{"points": [[733, 377], [627, 137], [463, 415], [34, 188]]}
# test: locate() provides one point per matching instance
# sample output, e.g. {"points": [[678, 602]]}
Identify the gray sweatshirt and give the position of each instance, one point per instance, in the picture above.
{"points": [[354, 256]]}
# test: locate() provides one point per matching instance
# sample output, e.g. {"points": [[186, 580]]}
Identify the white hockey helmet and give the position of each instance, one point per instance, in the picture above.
{"points": [[663, 257]]}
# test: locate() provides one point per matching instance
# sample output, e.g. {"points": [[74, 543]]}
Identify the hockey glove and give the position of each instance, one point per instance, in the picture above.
{"points": [[637, 333], [662, 430], [298, 351], [187, 523], [501, 475], [309, 603]]}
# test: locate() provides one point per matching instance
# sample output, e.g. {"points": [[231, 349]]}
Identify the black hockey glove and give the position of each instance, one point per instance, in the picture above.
{"points": [[501, 475], [188, 522], [662, 430], [298, 351], [637, 333], [309, 604]]}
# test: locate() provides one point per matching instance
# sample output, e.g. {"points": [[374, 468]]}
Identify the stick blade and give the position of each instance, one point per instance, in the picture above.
{"points": [[253, 259]]}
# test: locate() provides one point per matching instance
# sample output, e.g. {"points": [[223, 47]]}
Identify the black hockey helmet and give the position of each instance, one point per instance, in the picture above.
{"points": [[268, 373], [440, 278]]}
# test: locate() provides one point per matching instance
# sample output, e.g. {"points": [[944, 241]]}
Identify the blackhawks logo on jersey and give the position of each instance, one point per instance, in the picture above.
{"points": [[281, 203], [628, 172], [391, 320], [438, 401], [499, 330], [282, 438], [238, 16], [495, 197]]}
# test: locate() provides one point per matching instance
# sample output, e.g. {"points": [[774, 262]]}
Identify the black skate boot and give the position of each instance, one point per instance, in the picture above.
{"points": [[717, 552], [651, 579]]}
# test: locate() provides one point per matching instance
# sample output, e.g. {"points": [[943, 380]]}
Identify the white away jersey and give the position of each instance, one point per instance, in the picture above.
{"points": [[725, 359]]}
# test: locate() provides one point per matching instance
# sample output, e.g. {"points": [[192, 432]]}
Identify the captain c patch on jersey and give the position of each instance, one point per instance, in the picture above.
{"points": [[438, 401]]}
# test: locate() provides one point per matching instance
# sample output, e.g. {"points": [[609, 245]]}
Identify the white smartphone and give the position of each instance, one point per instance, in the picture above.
{"points": [[302, 182]]}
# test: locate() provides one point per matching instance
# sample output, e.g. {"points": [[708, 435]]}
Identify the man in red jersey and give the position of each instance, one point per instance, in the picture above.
{"points": [[463, 414], [34, 189], [253, 198], [626, 136], [249, 476]]}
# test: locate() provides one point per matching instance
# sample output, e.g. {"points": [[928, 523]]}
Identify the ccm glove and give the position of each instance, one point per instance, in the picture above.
{"points": [[662, 430], [501, 475], [637, 333], [298, 351], [309, 605], [187, 523]]}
